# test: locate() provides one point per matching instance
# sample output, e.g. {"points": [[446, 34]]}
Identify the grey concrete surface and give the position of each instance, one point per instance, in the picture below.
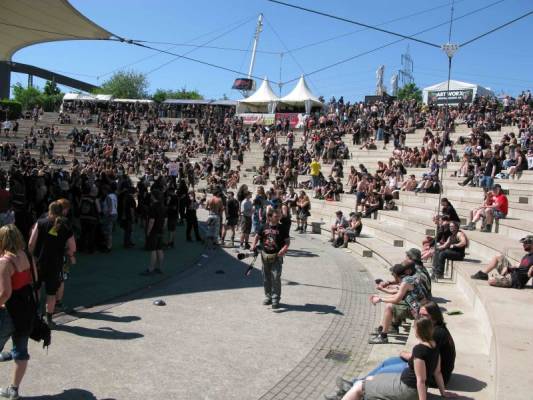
{"points": [[214, 339]]}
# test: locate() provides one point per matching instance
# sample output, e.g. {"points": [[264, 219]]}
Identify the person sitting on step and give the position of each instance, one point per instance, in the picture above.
{"points": [[509, 276], [445, 345], [406, 291], [353, 230], [497, 210], [338, 227], [453, 249], [411, 382]]}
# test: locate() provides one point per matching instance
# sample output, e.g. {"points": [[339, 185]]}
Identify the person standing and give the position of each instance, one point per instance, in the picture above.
{"points": [[247, 211], [172, 202], [274, 243], [157, 217], [49, 238], [190, 216], [232, 218], [109, 215], [127, 214], [17, 308], [215, 206], [315, 172], [89, 216]]}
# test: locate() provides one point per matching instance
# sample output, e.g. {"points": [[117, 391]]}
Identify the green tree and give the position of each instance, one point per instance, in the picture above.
{"points": [[51, 89], [125, 85], [409, 92], [27, 97], [161, 95]]}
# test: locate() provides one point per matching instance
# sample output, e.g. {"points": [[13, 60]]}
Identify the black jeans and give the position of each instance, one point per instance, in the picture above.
{"points": [[192, 223], [127, 226], [439, 260], [88, 235]]}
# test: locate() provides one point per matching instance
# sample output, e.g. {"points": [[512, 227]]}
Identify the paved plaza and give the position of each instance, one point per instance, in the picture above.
{"points": [[214, 339]]}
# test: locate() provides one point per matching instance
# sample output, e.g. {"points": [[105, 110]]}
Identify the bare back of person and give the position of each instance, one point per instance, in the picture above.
{"points": [[215, 205]]}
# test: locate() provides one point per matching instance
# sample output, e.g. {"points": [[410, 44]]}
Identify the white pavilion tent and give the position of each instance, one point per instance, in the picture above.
{"points": [[458, 92], [263, 100], [301, 95]]}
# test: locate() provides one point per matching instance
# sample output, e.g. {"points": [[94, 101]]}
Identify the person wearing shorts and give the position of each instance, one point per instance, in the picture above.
{"points": [[17, 310], [509, 276], [49, 238]]}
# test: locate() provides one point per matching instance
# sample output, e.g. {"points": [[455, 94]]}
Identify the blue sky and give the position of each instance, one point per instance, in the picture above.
{"points": [[502, 61]]}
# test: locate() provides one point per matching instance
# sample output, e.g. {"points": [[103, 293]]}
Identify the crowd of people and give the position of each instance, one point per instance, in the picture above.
{"points": [[127, 167]]}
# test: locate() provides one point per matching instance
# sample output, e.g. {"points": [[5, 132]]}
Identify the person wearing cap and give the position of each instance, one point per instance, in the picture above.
{"points": [[339, 225], [509, 276], [407, 291]]}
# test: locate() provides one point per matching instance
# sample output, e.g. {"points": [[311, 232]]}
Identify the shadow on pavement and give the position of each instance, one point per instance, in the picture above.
{"points": [[464, 383], [300, 253], [314, 308], [294, 283], [100, 333], [69, 394], [104, 316]]}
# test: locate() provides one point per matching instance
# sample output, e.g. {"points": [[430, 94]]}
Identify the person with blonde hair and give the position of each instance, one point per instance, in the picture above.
{"points": [[17, 307], [50, 236]]}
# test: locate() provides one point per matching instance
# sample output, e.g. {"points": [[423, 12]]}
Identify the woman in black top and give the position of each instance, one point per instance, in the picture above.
{"points": [[449, 210], [411, 383]]}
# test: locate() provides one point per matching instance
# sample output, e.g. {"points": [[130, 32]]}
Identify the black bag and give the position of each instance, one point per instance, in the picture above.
{"points": [[40, 330]]}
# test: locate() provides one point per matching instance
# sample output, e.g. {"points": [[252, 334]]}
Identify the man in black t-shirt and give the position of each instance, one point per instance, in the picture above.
{"points": [[509, 276], [274, 241], [157, 218]]}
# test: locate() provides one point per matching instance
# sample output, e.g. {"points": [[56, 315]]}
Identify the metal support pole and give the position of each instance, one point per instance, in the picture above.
{"points": [[5, 79]]}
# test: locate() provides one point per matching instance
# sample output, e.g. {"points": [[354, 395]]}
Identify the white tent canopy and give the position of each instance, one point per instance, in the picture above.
{"points": [[140, 101], [72, 96], [458, 92], [302, 95], [79, 97], [263, 100]]}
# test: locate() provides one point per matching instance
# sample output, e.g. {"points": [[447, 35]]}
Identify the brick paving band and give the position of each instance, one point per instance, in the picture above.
{"points": [[346, 336]]}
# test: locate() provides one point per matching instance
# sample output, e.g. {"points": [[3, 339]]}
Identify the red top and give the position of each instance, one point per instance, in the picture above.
{"points": [[19, 279], [502, 204]]}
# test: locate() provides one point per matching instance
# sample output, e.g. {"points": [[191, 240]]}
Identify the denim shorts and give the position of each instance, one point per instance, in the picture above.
{"points": [[7, 330], [486, 182], [498, 214]]}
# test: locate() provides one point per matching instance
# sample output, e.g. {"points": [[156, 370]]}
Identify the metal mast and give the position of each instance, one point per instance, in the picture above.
{"points": [[258, 31]]}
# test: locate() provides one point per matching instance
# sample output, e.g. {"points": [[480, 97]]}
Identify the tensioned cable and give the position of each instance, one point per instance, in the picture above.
{"points": [[193, 60], [287, 51], [496, 29], [380, 24], [212, 47], [197, 47], [172, 47], [356, 23], [395, 41]]}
